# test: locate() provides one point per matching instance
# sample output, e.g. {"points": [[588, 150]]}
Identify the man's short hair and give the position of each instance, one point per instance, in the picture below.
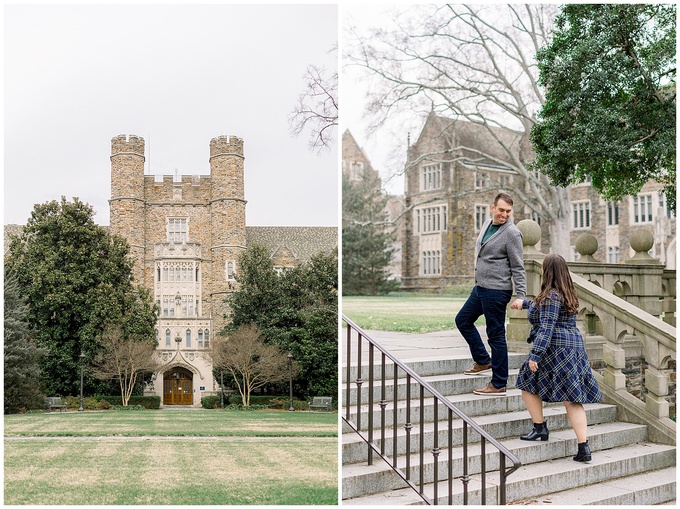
{"points": [[502, 196]]}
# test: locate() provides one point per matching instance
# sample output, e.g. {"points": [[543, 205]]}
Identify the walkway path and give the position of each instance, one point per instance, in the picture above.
{"points": [[407, 346]]}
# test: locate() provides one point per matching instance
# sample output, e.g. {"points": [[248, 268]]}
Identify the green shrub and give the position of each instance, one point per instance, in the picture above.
{"points": [[148, 402], [282, 403], [210, 401], [235, 399], [235, 406], [129, 407], [73, 402]]}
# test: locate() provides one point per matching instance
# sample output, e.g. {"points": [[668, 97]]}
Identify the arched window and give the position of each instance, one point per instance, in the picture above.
{"points": [[200, 338], [207, 338], [167, 338], [188, 338]]}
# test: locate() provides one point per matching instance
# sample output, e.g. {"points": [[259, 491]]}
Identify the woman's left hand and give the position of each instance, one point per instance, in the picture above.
{"points": [[533, 366]]}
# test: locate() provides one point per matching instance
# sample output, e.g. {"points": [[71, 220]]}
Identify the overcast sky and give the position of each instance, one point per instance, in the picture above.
{"points": [[177, 75], [386, 149]]}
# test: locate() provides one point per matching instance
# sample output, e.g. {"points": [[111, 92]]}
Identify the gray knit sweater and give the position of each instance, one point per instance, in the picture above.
{"points": [[499, 261]]}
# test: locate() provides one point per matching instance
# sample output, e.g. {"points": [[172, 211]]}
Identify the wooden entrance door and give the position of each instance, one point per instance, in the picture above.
{"points": [[178, 387]]}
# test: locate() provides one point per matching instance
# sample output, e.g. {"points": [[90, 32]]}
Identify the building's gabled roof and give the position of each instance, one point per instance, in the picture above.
{"points": [[462, 133], [302, 241]]}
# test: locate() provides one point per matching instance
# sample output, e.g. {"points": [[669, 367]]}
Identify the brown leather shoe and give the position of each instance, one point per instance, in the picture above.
{"points": [[490, 390], [478, 369]]}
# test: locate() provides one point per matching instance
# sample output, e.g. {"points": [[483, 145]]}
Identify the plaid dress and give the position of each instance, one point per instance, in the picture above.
{"points": [[563, 370]]}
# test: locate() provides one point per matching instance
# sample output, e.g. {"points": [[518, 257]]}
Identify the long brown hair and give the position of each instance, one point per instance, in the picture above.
{"points": [[556, 278]]}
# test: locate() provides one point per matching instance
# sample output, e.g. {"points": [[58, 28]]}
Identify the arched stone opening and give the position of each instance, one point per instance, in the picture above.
{"points": [[621, 289], [178, 386]]}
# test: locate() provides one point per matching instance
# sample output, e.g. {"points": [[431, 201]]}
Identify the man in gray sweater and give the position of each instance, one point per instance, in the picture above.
{"points": [[498, 262]]}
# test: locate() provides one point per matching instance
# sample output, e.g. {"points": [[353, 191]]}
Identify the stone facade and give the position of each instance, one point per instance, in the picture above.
{"points": [[612, 223], [186, 233], [449, 192], [448, 195]]}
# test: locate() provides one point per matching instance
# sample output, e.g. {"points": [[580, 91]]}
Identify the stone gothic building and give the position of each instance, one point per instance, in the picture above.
{"points": [[448, 194], [186, 233]]}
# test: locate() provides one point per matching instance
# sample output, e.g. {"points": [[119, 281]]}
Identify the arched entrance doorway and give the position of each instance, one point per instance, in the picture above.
{"points": [[178, 387]]}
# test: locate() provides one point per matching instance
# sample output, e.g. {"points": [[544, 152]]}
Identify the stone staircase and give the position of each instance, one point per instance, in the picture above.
{"points": [[626, 468]]}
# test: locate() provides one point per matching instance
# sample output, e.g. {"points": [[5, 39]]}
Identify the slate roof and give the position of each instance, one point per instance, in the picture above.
{"points": [[469, 134], [302, 241]]}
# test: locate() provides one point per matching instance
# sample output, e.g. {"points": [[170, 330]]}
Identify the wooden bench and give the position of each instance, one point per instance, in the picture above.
{"points": [[55, 403], [322, 402]]}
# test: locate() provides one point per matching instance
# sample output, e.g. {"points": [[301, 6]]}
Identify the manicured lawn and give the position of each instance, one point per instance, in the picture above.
{"points": [[174, 423], [162, 472], [245, 458], [407, 312]]}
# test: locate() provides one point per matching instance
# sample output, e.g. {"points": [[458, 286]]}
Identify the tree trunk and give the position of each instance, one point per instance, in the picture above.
{"points": [[560, 229]]}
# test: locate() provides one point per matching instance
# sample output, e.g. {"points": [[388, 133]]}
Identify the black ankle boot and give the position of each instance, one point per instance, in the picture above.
{"points": [[540, 431], [583, 453]]}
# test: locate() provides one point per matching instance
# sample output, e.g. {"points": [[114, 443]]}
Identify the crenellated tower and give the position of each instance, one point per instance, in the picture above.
{"points": [[127, 196], [228, 218]]}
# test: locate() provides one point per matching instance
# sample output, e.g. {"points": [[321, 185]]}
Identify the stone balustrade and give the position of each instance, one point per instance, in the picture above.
{"points": [[627, 317]]}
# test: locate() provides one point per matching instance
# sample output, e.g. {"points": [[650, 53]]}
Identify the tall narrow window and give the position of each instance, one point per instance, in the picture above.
{"points": [[642, 208], [167, 338], [188, 338], [230, 270], [612, 213], [431, 177], [581, 215], [177, 230], [200, 338], [481, 215], [356, 171], [207, 338]]}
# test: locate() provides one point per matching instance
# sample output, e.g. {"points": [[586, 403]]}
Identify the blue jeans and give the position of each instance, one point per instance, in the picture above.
{"points": [[491, 304]]}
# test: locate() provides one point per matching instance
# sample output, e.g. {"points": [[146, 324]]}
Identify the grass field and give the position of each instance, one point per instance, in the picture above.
{"points": [[407, 312], [201, 423], [187, 458]]}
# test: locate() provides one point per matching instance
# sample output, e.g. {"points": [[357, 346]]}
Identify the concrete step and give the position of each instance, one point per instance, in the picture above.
{"points": [[539, 479], [485, 409], [360, 479], [424, 367], [448, 384], [649, 488]]}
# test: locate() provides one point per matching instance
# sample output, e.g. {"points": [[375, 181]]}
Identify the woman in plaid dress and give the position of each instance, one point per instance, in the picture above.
{"points": [[557, 368]]}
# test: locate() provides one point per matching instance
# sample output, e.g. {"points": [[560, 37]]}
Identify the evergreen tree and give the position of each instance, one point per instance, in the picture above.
{"points": [[366, 237], [296, 310], [609, 112], [76, 278], [22, 371]]}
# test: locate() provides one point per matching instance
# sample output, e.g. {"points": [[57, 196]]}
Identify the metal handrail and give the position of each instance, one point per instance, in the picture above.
{"points": [[424, 387]]}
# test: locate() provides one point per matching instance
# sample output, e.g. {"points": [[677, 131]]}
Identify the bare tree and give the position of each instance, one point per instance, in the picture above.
{"points": [[124, 358], [473, 63], [317, 107], [249, 360]]}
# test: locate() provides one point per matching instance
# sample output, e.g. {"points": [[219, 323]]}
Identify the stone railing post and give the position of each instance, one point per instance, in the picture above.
{"points": [[668, 291], [518, 326], [647, 282]]}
